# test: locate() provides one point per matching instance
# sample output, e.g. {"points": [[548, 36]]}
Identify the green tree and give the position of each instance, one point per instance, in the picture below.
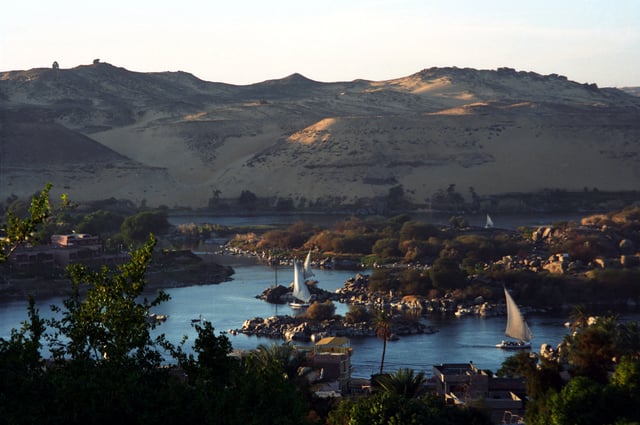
{"points": [[386, 248], [21, 370], [105, 363], [404, 382], [458, 222], [580, 402], [137, 228], [357, 314], [578, 318], [285, 204], [414, 282], [17, 230], [321, 311], [262, 392], [382, 325], [592, 352], [384, 408], [110, 321], [100, 223], [247, 199], [446, 274], [382, 279], [521, 364], [415, 230], [213, 366]]}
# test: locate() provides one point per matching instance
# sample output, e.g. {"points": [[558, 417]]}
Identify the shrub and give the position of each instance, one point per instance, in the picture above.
{"points": [[415, 230], [447, 274], [357, 314], [385, 248], [321, 311]]}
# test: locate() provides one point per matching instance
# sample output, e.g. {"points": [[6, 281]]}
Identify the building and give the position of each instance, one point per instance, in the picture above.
{"points": [[76, 240], [31, 260], [62, 251], [332, 355], [76, 248], [465, 384]]}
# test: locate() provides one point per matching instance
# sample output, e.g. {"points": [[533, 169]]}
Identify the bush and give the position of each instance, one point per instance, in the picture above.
{"points": [[415, 230], [447, 274], [384, 280], [321, 311], [386, 248], [357, 314], [138, 227]]}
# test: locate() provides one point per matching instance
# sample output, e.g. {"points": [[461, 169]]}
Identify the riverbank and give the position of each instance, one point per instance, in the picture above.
{"points": [[204, 270]]}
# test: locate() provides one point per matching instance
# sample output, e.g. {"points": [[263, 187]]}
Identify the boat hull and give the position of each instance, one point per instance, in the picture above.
{"points": [[514, 345]]}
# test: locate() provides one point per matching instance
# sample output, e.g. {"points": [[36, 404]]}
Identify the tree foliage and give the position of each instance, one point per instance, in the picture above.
{"points": [[382, 323], [404, 382], [137, 228], [384, 408], [605, 377], [446, 274], [357, 314], [321, 311], [19, 229], [100, 223]]}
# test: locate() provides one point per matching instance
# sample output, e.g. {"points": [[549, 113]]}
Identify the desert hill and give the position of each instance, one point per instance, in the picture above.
{"points": [[99, 131]]}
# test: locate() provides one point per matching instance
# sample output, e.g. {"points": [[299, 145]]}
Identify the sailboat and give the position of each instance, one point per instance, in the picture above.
{"points": [[306, 267], [517, 327], [489, 223], [300, 290]]}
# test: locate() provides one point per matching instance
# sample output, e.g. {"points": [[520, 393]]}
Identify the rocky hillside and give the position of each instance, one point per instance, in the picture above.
{"points": [[99, 131]]}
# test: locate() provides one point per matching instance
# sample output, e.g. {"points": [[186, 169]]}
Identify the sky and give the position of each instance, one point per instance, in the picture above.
{"points": [[249, 41]]}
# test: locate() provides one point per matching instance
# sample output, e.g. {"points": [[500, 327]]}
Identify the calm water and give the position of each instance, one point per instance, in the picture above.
{"points": [[229, 304]]}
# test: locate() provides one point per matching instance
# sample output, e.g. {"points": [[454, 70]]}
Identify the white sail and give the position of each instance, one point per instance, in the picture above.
{"points": [[489, 222], [306, 268], [516, 325], [300, 289]]}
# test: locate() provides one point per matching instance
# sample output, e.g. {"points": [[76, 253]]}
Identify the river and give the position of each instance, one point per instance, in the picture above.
{"points": [[229, 304]]}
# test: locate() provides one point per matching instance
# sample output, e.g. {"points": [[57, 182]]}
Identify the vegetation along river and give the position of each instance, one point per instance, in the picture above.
{"points": [[229, 304]]}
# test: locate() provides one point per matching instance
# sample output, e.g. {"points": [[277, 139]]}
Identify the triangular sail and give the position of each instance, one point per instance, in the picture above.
{"points": [[306, 269], [489, 222], [300, 289], [516, 326]]}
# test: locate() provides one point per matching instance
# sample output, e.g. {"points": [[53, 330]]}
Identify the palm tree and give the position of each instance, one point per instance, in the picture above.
{"points": [[284, 356], [403, 383], [578, 318], [630, 339], [383, 331]]}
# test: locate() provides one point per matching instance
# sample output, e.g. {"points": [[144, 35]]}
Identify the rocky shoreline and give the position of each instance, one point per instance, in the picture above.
{"points": [[304, 329], [355, 292]]}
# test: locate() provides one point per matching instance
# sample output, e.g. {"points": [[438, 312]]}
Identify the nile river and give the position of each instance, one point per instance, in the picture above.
{"points": [[229, 304]]}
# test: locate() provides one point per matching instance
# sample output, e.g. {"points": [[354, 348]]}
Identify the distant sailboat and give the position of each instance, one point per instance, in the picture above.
{"points": [[517, 327], [300, 290], [489, 223], [306, 268]]}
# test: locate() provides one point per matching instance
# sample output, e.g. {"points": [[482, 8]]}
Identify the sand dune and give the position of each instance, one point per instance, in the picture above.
{"points": [[170, 139]]}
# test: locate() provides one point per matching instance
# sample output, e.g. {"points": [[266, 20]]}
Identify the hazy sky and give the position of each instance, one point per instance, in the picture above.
{"points": [[248, 41]]}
